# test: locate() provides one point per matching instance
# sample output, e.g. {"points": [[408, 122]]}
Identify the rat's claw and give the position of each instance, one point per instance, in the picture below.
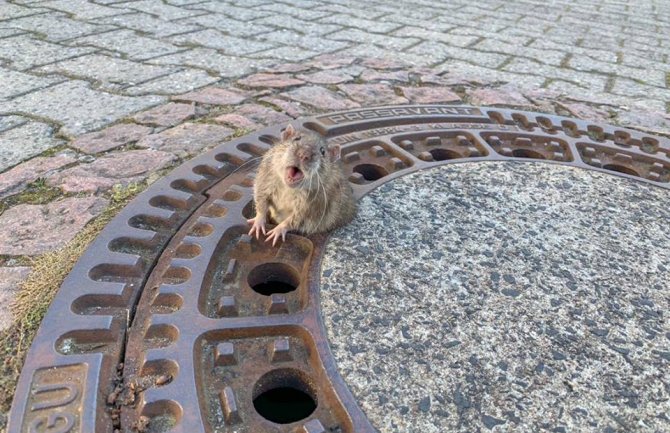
{"points": [[276, 233], [258, 226]]}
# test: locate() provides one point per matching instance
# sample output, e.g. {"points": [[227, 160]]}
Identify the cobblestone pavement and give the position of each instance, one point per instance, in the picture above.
{"points": [[97, 94]]}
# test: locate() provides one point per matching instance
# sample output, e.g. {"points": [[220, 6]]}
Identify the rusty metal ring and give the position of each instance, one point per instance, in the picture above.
{"points": [[206, 320]]}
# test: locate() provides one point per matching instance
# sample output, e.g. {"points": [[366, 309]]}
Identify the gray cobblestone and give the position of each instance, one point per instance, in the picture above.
{"points": [[8, 11], [312, 43], [82, 9], [227, 44], [77, 107], [232, 26], [107, 70], [439, 51], [129, 43], [206, 58], [8, 122], [161, 10], [447, 38], [306, 13], [173, 84], [291, 23], [24, 141], [387, 41], [56, 26], [148, 24], [15, 83], [367, 25], [239, 13], [24, 52], [291, 54]]}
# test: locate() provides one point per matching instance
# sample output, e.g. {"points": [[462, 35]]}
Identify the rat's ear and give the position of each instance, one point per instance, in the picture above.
{"points": [[288, 133], [334, 152]]}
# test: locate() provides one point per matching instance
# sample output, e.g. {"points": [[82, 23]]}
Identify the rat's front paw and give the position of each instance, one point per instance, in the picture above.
{"points": [[257, 226], [276, 233]]}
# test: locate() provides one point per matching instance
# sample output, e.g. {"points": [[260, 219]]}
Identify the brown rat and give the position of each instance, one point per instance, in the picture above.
{"points": [[300, 186]]}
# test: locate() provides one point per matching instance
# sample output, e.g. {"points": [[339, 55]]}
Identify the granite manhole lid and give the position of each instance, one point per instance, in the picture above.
{"points": [[176, 320]]}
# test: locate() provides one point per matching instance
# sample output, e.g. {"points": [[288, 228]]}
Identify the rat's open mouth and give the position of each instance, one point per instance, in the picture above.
{"points": [[294, 175]]}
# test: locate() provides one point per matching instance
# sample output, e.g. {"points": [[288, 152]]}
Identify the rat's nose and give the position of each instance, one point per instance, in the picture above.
{"points": [[304, 155]]}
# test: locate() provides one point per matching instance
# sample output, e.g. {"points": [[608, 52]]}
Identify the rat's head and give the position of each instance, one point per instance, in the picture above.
{"points": [[306, 157]]}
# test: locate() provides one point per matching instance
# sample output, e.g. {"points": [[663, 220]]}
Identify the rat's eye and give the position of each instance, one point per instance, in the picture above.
{"points": [[323, 151], [297, 138]]}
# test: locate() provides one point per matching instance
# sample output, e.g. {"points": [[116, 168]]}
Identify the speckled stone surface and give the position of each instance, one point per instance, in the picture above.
{"points": [[504, 297]]}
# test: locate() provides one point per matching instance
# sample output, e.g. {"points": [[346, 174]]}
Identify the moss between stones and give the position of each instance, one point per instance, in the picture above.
{"points": [[37, 291]]}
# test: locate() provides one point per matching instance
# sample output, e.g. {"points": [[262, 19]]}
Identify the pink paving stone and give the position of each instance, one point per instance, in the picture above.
{"points": [[330, 61], [372, 94], [256, 114], [320, 98], [326, 77], [277, 81], [585, 112], [213, 96], [376, 63], [118, 168], [11, 181], [290, 108], [498, 96], [167, 115], [372, 75], [187, 139], [29, 229], [110, 138], [10, 279], [430, 95], [236, 121]]}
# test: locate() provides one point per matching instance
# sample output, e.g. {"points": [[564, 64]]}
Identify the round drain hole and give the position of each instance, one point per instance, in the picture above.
{"points": [[271, 278], [444, 154], [283, 396], [371, 171]]}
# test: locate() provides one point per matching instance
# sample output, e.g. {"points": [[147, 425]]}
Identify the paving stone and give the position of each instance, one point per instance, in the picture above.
{"points": [[429, 95], [289, 108], [187, 139], [211, 60], [76, 106], [320, 98], [149, 24], [28, 229], [372, 94], [56, 27], [172, 84], [8, 10], [167, 115], [368, 25], [331, 61], [236, 121], [291, 23], [385, 40], [15, 83], [372, 75], [13, 180], [22, 142], [293, 54], [237, 12], [24, 52], [229, 25], [586, 112], [9, 122], [161, 10], [128, 42], [429, 35], [256, 114], [82, 9], [110, 138], [227, 44], [437, 52], [107, 69], [278, 81], [10, 280], [292, 38], [499, 96], [370, 51], [652, 121], [214, 96], [383, 63], [120, 168], [326, 77], [304, 13]]}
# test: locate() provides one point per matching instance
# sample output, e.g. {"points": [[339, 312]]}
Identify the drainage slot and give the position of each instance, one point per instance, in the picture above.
{"points": [[271, 278], [283, 396], [527, 153], [444, 154], [621, 169], [371, 171]]}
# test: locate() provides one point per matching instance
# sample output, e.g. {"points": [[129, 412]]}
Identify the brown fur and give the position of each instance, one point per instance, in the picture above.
{"points": [[321, 201]]}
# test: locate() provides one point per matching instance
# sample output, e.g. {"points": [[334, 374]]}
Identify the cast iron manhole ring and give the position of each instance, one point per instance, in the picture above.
{"points": [[212, 325]]}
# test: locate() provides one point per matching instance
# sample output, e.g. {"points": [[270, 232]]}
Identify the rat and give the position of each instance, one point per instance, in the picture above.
{"points": [[300, 187]]}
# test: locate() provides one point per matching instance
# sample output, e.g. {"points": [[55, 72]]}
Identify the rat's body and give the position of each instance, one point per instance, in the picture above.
{"points": [[300, 187]]}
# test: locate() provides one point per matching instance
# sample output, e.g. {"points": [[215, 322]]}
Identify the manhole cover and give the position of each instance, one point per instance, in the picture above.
{"points": [[219, 332]]}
